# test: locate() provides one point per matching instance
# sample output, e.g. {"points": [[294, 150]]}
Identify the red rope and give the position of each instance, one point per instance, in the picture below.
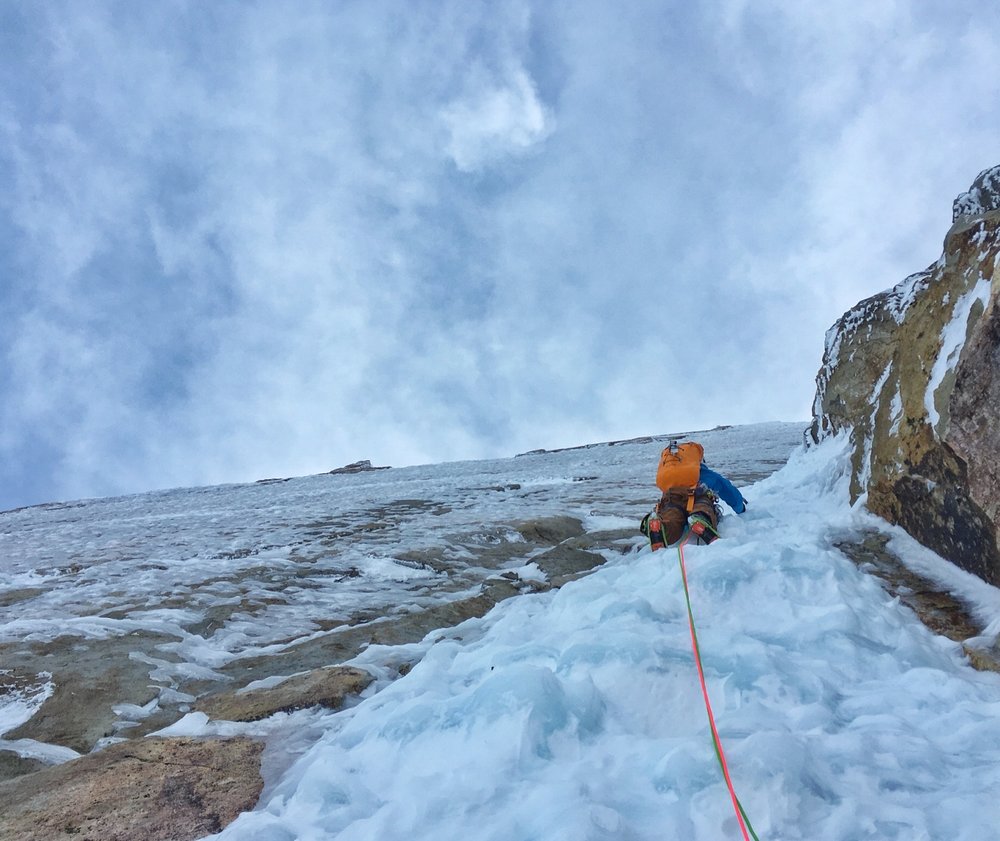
{"points": [[737, 806]]}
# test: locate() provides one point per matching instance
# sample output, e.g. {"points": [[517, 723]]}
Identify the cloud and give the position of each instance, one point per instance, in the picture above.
{"points": [[250, 240], [493, 122]]}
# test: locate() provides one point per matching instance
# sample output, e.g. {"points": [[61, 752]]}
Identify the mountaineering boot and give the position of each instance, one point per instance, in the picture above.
{"points": [[701, 527], [655, 533]]}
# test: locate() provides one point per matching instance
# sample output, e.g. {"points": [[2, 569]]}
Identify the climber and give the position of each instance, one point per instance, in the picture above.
{"points": [[690, 500]]}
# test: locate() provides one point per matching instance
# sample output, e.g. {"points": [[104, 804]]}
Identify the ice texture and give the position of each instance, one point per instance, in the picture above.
{"points": [[577, 713]]}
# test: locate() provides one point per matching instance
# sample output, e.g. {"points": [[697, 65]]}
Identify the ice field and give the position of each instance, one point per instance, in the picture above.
{"points": [[571, 714]]}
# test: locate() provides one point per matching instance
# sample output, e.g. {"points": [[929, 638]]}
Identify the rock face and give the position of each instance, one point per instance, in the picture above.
{"points": [[912, 374], [154, 789], [329, 687]]}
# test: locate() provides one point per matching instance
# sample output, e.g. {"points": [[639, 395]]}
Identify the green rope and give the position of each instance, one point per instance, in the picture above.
{"points": [[708, 707]]}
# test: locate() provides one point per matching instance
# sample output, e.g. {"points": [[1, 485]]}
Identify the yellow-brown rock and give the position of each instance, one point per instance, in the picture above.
{"points": [[152, 789], [911, 374], [328, 687]]}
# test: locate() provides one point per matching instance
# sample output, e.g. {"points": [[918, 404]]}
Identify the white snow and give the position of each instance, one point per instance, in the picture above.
{"points": [[20, 702], [981, 197], [895, 411], [315, 547], [577, 713], [952, 341], [875, 401], [905, 293], [43, 752], [573, 714]]}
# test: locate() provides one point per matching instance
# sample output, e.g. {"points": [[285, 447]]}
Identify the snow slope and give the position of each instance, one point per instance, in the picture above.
{"points": [[236, 572], [314, 548], [573, 714], [576, 714]]}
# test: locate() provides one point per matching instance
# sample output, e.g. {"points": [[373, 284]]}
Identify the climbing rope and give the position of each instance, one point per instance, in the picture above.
{"points": [[741, 815]]}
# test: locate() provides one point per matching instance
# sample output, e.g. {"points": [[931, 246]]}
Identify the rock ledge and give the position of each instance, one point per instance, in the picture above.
{"points": [[154, 789]]}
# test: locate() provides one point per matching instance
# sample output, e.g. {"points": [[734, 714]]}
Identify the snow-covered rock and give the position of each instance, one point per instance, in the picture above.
{"points": [[912, 372], [983, 196]]}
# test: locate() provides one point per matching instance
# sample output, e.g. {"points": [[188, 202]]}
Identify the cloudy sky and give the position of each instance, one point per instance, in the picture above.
{"points": [[251, 239]]}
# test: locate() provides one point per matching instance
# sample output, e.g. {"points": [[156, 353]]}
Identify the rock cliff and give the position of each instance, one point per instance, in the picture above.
{"points": [[912, 374]]}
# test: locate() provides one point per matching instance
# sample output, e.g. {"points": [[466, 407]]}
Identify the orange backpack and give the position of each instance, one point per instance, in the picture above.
{"points": [[678, 472]]}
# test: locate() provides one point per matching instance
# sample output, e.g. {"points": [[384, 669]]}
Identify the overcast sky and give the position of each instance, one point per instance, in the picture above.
{"points": [[250, 239]]}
